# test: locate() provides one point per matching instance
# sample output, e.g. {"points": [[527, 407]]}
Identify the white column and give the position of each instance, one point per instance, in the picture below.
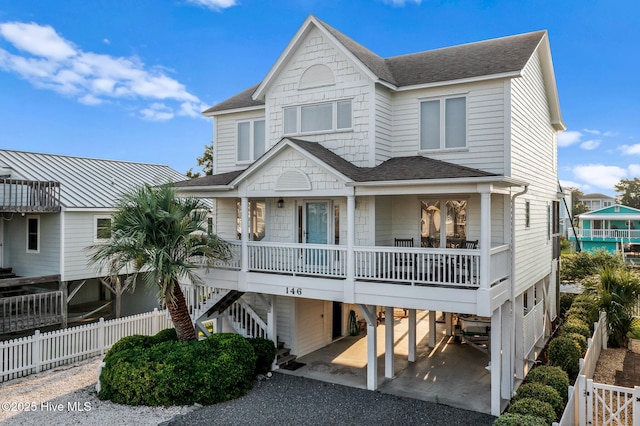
{"points": [[412, 335], [432, 329], [272, 323], [349, 287], [485, 239], [244, 230], [496, 363], [507, 354], [518, 336], [448, 323], [389, 342], [218, 325], [369, 313]]}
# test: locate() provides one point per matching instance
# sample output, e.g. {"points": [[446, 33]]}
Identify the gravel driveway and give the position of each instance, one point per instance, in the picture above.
{"points": [[291, 400]]}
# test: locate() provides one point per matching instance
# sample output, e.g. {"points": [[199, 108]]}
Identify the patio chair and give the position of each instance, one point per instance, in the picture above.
{"points": [[471, 244], [404, 262]]}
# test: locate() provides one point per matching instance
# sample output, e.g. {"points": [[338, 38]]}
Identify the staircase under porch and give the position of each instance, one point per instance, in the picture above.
{"points": [[208, 307]]}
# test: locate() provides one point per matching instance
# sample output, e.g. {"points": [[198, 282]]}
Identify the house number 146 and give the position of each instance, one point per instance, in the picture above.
{"points": [[295, 291]]}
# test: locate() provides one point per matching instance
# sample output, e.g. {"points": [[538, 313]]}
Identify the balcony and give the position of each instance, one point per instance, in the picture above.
{"points": [[28, 196], [441, 267], [610, 234]]}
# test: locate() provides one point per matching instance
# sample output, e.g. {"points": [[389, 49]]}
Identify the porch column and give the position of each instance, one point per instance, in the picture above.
{"points": [[448, 323], [507, 354], [432, 329], [412, 335], [369, 313], [349, 285], [272, 325], [485, 238], [389, 342], [518, 335], [244, 233], [496, 363], [218, 325], [64, 288]]}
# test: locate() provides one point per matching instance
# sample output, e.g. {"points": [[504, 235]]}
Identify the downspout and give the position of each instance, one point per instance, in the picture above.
{"points": [[513, 282]]}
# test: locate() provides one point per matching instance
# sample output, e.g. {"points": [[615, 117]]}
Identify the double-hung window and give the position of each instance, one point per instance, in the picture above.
{"points": [[251, 140], [324, 117], [443, 123]]}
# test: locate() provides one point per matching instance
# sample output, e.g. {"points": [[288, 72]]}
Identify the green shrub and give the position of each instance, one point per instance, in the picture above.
{"points": [[579, 340], [575, 325], [265, 352], [213, 370], [542, 393], [584, 313], [565, 353], [533, 407], [566, 299], [585, 263], [555, 377], [514, 419], [165, 335]]}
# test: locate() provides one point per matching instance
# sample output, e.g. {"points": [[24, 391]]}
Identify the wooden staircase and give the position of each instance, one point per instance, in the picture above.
{"points": [[284, 356], [217, 310], [6, 273]]}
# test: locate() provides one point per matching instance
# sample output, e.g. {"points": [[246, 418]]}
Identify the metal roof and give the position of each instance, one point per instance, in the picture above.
{"points": [[86, 182]]}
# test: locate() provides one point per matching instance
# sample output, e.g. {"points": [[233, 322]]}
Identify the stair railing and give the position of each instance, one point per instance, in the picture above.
{"points": [[245, 320]]}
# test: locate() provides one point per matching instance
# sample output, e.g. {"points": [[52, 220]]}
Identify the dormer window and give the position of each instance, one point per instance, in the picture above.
{"points": [[443, 123], [324, 117], [251, 140]]}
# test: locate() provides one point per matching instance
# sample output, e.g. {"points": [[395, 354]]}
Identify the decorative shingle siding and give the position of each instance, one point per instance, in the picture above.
{"points": [[353, 145]]}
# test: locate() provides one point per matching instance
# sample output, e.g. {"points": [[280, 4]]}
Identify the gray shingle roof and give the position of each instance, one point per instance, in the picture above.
{"points": [[483, 58], [86, 182], [394, 169], [211, 180]]}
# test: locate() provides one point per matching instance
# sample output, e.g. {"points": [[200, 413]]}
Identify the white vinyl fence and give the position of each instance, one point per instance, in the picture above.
{"points": [[42, 351]]}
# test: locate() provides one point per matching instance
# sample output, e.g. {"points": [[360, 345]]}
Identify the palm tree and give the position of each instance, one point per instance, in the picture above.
{"points": [[162, 238]]}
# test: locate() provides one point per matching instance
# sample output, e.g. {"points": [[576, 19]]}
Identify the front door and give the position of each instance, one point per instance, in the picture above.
{"points": [[316, 230]]}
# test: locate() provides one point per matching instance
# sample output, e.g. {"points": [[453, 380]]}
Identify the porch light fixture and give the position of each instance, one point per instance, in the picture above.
{"points": [[280, 203]]}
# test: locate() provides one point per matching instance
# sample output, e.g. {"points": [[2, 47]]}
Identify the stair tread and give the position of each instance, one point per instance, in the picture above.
{"points": [[285, 359], [283, 351]]}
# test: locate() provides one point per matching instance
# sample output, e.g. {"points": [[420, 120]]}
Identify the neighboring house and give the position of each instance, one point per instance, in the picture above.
{"points": [[597, 201], [426, 181], [613, 228], [54, 208]]}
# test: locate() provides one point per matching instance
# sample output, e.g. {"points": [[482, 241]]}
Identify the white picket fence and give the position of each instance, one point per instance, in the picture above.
{"points": [[42, 351], [592, 403]]}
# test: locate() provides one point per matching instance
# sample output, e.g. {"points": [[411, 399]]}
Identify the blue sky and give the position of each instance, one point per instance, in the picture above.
{"points": [[127, 79]]}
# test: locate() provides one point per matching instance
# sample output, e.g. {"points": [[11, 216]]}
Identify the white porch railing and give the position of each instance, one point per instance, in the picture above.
{"points": [[42, 351], [456, 267], [533, 327], [298, 259], [417, 266], [246, 321], [30, 311], [609, 233]]}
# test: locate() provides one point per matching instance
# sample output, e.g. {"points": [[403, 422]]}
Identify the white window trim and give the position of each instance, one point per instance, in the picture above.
{"points": [[334, 118], [251, 142], [442, 100], [95, 227], [37, 217]]}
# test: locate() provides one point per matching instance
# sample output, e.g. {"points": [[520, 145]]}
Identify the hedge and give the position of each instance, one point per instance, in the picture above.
{"points": [[543, 393], [515, 419], [565, 353], [533, 407], [555, 377]]}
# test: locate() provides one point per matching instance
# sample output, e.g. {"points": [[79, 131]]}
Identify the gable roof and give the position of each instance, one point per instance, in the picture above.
{"points": [[595, 196], [504, 56], [86, 182], [395, 169], [610, 213]]}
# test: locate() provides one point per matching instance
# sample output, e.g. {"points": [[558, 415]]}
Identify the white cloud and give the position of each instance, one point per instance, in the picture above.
{"points": [[53, 63], [593, 132], [214, 4], [37, 40], [630, 149], [590, 144], [401, 3], [599, 175], [566, 184], [106, 41], [568, 138], [634, 170], [157, 112]]}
